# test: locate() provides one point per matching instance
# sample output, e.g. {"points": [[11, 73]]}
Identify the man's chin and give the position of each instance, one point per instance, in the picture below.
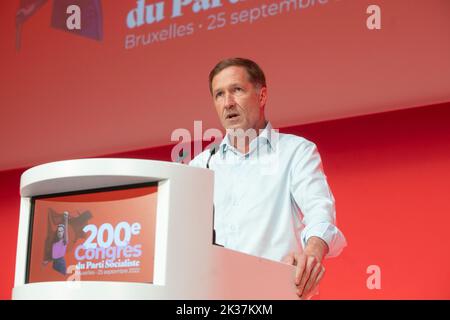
{"points": [[234, 127]]}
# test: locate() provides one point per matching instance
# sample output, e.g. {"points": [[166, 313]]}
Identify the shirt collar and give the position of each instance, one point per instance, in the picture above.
{"points": [[266, 135]]}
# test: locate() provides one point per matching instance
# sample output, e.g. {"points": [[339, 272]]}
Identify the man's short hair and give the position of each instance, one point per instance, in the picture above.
{"points": [[255, 73]]}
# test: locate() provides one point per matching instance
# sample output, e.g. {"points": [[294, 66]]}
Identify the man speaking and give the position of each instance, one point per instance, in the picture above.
{"points": [[271, 195]]}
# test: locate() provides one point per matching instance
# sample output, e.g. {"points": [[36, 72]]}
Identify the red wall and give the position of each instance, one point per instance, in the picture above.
{"points": [[127, 98], [390, 174]]}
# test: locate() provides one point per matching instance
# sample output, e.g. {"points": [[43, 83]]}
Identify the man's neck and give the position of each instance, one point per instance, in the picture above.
{"points": [[242, 142]]}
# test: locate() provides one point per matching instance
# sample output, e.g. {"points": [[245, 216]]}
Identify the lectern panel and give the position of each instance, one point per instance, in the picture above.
{"points": [[94, 235]]}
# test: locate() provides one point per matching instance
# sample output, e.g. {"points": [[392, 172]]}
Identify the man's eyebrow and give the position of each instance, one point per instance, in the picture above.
{"points": [[232, 85], [217, 90]]}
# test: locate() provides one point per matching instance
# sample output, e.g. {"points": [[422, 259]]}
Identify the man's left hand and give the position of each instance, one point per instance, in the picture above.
{"points": [[310, 270]]}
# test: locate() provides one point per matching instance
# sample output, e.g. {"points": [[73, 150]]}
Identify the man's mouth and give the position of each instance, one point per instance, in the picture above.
{"points": [[231, 116]]}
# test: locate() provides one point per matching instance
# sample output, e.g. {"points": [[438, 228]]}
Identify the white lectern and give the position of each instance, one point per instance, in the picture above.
{"points": [[186, 264]]}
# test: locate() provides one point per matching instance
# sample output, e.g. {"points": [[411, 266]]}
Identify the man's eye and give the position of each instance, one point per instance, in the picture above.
{"points": [[219, 94]]}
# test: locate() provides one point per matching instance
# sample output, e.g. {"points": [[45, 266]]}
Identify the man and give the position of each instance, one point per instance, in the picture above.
{"points": [[284, 212]]}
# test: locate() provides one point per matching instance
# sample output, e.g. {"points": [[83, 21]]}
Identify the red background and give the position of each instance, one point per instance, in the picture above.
{"points": [[390, 174], [64, 96]]}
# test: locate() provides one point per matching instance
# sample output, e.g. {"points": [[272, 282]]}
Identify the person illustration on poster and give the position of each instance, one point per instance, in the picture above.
{"points": [[56, 247]]}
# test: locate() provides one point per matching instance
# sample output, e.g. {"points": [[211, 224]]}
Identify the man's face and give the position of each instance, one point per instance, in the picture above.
{"points": [[239, 104]]}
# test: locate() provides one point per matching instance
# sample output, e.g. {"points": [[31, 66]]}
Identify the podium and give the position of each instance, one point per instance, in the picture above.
{"points": [[184, 262]]}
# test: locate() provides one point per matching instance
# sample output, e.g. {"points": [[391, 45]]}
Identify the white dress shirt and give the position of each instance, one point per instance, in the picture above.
{"points": [[271, 200]]}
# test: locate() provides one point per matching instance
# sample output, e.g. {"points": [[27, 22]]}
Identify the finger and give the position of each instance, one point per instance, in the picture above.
{"points": [[309, 266], [311, 262], [319, 277], [301, 265], [307, 295], [289, 259], [312, 279], [316, 284]]}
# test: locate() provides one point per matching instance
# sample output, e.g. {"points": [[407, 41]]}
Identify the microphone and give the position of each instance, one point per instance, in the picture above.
{"points": [[212, 151]]}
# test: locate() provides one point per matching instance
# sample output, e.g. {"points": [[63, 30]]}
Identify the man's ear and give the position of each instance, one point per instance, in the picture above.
{"points": [[263, 96]]}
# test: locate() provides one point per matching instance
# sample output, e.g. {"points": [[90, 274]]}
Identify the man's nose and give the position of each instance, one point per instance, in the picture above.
{"points": [[229, 100]]}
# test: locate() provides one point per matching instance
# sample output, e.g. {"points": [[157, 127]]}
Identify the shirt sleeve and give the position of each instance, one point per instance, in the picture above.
{"points": [[312, 194]]}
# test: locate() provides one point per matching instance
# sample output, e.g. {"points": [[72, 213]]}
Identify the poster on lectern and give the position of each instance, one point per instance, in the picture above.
{"points": [[96, 235]]}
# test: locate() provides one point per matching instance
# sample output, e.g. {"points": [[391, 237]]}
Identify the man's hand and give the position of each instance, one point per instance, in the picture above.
{"points": [[310, 270]]}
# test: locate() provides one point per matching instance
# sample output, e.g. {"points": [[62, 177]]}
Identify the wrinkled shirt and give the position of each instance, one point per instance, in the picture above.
{"points": [[271, 200]]}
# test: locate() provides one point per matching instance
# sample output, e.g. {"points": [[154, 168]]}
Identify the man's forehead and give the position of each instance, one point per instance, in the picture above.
{"points": [[231, 76]]}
